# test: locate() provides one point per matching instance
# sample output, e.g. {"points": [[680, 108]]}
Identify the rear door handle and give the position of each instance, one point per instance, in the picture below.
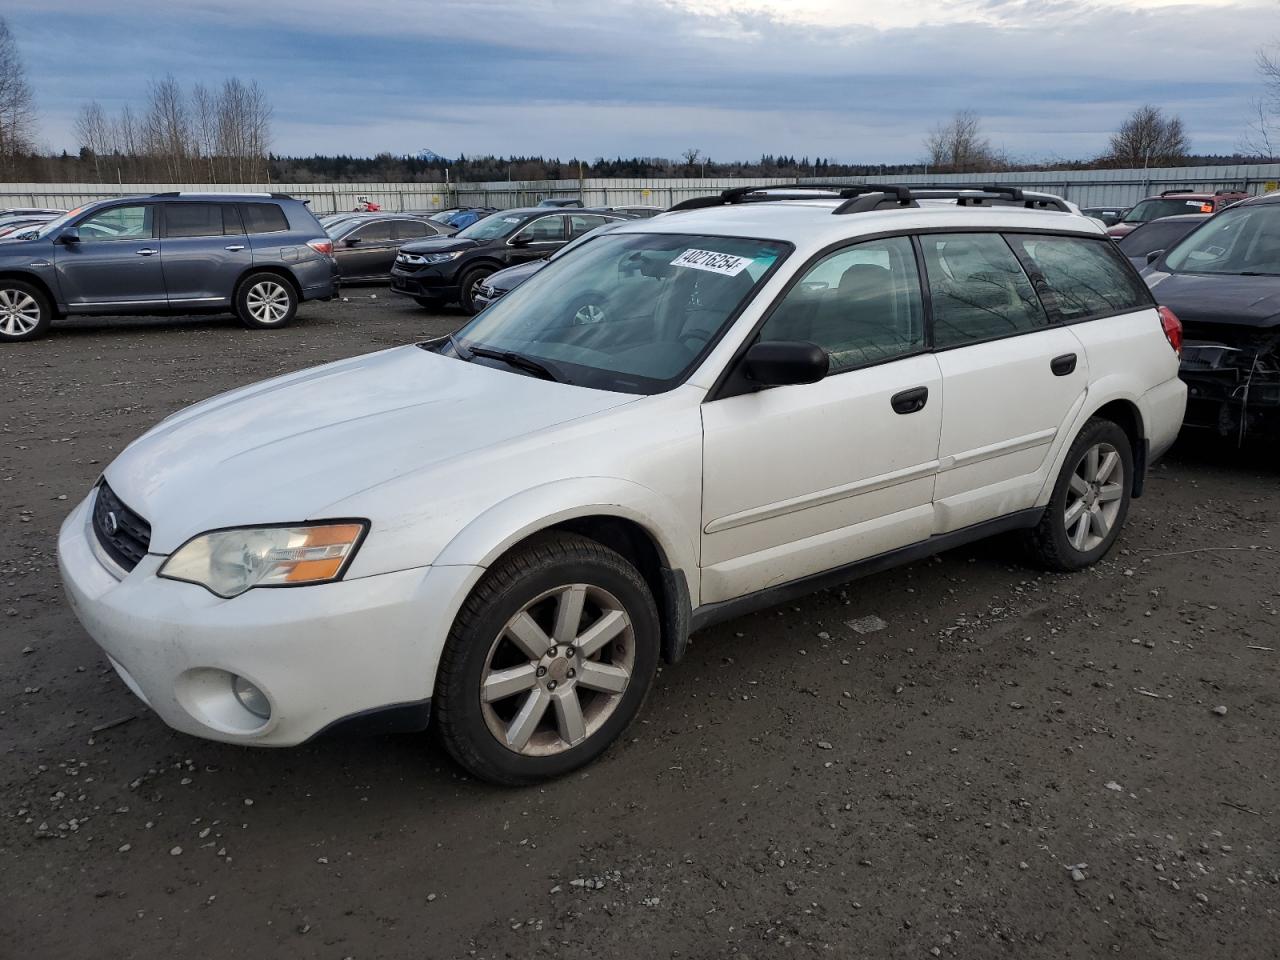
{"points": [[910, 401], [1063, 365], [146, 252], [235, 247]]}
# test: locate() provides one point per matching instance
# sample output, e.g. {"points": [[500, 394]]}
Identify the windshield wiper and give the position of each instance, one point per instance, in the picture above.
{"points": [[519, 361]]}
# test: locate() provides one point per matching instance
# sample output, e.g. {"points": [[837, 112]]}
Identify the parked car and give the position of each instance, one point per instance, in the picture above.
{"points": [[31, 211], [257, 255], [10, 227], [365, 247], [639, 211], [560, 202], [1108, 215], [463, 217], [1171, 203], [497, 285], [1156, 236], [1223, 280], [763, 416], [435, 272]]}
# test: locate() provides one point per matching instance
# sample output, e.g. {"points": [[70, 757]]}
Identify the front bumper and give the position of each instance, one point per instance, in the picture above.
{"points": [[426, 282], [321, 654]]}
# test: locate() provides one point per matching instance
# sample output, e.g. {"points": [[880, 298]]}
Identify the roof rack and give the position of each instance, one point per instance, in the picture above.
{"points": [[219, 193], [863, 197], [1176, 193]]}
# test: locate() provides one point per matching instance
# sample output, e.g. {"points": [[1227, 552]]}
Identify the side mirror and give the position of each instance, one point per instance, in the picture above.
{"points": [[780, 363], [350, 241], [1154, 255], [69, 235], [521, 240]]}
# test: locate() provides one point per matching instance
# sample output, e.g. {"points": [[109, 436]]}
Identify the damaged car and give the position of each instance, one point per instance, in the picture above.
{"points": [[1223, 282]]}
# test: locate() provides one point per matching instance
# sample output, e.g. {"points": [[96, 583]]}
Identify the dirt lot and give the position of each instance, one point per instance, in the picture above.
{"points": [[794, 788]]}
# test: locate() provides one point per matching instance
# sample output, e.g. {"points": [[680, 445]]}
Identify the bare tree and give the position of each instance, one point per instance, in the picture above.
{"points": [[166, 128], [691, 157], [1148, 138], [258, 114], [95, 134], [204, 119], [1263, 135], [17, 110], [959, 146]]}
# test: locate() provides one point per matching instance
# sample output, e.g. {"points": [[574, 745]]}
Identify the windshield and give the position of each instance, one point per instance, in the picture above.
{"points": [[630, 312], [491, 227], [1156, 208], [1157, 235], [1240, 240], [444, 215]]}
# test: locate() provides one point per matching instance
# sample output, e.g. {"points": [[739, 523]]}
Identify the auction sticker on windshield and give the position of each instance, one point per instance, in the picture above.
{"points": [[710, 260]]}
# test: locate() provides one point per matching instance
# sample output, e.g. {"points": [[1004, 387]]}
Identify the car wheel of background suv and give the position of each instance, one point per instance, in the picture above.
{"points": [[547, 662], [1090, 500], [467, 287], [25, 312], [266, 301]]}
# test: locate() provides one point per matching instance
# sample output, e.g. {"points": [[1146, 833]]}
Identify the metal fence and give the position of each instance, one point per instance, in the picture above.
{"points": [[1088, 188]]}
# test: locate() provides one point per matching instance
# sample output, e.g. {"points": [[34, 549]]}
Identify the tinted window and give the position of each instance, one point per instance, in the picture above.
{"points": [[1242, 240], [978, 288], [1154, 209], [409, 229], [373, 232], [1088, 278], [118, 223], [544, 230], [580, 224], [862, 305], [264, 218], [193, 220]]}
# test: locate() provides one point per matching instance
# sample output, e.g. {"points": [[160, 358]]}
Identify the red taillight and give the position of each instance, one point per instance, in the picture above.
{"points": [[1172, 329], [321, 246]]}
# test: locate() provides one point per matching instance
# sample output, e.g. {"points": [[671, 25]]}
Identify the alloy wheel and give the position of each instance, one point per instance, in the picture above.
{"points": [[558, 670], [19, 312], [268, 302], [1094, 496]]}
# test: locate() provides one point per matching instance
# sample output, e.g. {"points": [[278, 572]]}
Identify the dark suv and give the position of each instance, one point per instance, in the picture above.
{"points": [[451, 269], [258, 255], [1171, 203]]}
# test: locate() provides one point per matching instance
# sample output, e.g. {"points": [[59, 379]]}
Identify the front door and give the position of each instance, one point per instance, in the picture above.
{"points": [[205, 252], [366, 252], [116, 262], [537, 239], [807, 478]]}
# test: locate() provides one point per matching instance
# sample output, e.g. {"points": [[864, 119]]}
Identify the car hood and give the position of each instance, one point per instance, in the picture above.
{"points": [[512, 277], [1218, 298], [438, 245], [284, 450]]}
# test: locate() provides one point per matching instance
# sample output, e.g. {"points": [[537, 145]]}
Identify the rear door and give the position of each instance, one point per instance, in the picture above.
{"points": [[116, 263], [1013, 379], [206, 251]]}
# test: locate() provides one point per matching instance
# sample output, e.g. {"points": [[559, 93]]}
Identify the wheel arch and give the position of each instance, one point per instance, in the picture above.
{"points": [[36, 281], [283, 272], [1126, 414]]}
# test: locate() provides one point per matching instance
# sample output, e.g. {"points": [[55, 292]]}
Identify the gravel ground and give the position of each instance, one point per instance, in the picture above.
{"points": [[1014, 765]]}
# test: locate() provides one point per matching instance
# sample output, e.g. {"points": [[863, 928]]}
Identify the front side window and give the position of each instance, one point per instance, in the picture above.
{"points": [[629, 312], [1087, 277], [372, 233], [978, 288], [118, 223], [543, 230], [862, 305], [1243, 240]]}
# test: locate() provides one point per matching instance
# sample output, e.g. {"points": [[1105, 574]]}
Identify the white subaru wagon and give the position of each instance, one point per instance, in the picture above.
{"points": [[506, 529]]}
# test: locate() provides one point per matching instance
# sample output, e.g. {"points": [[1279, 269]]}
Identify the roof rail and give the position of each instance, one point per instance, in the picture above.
{"points": [[220, 193], [984, 194], [1176, 193], [798, 191], [864, 197]]}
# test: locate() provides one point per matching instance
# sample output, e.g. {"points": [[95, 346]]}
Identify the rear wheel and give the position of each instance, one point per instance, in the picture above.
{"points": [[1090, 500], [266, 301], [548, 661], [25, 312]]}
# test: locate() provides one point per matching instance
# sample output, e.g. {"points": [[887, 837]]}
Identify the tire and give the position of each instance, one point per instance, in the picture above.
{"points": [[466, 285], [1089, 488], [429, 303], [525, 729], [266, 301], [25, 312]]}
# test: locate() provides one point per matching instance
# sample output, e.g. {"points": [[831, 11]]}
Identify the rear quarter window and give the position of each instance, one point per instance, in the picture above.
{"points": [[1087, 277], [264, 218]]}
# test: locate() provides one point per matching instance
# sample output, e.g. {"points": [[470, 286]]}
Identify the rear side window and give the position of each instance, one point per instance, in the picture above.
{"points": [[1087, 277], [409, 229], [979, 289], [264, 218], [200, 219]]}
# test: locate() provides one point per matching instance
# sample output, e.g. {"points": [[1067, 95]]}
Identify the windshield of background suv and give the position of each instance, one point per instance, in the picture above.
{"points": [[491, 227], [630, 312], [1240, 240], [1166, 207]]}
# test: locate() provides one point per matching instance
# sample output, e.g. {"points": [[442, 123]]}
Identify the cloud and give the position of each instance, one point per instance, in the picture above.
{"points": [[850, 80]]}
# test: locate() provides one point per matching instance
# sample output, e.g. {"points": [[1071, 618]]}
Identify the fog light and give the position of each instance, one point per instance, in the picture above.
{"points": [[251, 698]]}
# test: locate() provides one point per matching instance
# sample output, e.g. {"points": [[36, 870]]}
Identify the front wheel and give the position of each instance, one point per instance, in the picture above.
{"points": [[266, 301], [469, 287], [1090, 500], [25, 312], [548, 661]]}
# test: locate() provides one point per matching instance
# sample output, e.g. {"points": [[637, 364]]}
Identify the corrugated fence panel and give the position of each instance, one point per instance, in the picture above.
{"points": [[1088, 188]]}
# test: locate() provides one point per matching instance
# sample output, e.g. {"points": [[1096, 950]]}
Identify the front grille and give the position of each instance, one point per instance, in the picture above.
{"points": [[124, 535]]}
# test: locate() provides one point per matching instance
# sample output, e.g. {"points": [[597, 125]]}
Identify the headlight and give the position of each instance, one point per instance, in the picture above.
{"points": [[229, 562], [441, 257]]}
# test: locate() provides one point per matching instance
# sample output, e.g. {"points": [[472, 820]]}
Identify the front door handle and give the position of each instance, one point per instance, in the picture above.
{"points": [[910, 401], [146, 252], [1064, 365], [235, 247]]}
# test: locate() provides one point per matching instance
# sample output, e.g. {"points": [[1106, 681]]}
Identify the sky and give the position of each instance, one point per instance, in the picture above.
{"points": [[850, 80]]}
